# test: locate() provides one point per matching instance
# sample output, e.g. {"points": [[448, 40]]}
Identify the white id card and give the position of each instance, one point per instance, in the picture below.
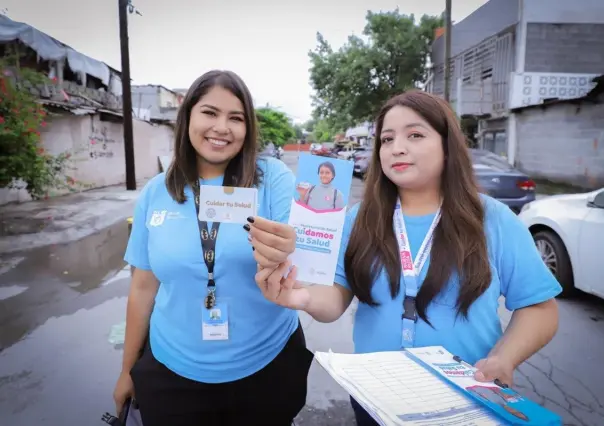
{"points": [[215, 322], [227, 204]]}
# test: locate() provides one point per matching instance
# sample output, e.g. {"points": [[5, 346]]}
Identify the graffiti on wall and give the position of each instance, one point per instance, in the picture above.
{"points": [[101, 143]]}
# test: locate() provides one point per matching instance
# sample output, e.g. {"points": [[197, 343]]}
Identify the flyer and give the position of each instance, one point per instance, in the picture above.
{"points": [[317, 214], [227, 204]]}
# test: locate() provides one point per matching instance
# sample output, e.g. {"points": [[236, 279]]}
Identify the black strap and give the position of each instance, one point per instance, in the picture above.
{"points": [[335, 196], [308, 194], [208, 245]]}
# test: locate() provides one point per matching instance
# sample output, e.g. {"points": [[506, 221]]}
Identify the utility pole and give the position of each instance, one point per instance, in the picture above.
{"points": [[448, 34], [124, 8]]}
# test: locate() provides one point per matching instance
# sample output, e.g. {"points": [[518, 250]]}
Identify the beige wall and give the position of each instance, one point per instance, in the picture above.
{"points": [[97, 149]]}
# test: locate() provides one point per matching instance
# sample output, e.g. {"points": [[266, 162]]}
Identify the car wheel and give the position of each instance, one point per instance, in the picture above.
{"points": [[554, 255]]}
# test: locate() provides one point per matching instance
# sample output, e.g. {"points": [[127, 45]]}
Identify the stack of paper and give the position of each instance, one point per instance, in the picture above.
{"points": [[396, 390]]}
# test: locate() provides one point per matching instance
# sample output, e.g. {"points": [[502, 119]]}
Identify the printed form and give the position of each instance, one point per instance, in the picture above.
{"points": [[396, 390]]}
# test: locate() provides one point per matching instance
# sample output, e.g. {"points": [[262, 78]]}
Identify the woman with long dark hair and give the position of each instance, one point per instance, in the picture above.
{"points": [[428, 257], [213, 346]]}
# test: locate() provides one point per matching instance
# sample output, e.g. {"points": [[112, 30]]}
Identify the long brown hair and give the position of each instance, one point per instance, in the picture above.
{"points": [[243, 169], [459, 245]]}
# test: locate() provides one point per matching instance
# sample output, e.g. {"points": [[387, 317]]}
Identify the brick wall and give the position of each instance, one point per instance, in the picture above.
{"points": [[563, 143], [565, 48]]}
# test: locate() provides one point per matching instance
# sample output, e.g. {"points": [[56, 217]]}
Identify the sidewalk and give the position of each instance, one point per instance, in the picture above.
{"points": [[64, 219]]}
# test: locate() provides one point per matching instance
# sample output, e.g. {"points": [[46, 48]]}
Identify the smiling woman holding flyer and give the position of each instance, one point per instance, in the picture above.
{"points": [[216, 347], [428, 257]]}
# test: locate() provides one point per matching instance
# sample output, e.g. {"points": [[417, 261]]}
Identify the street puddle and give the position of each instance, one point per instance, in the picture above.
{"points": [[52, 281], [81, 265], [11, 291]]}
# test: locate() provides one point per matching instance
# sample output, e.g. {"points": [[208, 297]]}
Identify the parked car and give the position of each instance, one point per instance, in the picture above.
{"points": [[569, 233], [501, 181], [270, 151], [325, 150], [361, 162], [315, 147]]}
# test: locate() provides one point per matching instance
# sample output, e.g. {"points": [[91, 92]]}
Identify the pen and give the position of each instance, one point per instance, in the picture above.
{"points": [[461, 361]]}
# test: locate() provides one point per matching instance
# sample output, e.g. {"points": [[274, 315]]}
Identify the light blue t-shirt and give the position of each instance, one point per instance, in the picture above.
{"points": [[258, 329], [518, 273]]}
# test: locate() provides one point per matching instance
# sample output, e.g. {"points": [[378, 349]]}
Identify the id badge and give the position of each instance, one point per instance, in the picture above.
{"points": [[215, 322], [408, 334]]}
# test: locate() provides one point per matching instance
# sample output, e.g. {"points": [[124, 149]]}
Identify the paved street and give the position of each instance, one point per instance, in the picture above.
{"points": [[62, 308]]}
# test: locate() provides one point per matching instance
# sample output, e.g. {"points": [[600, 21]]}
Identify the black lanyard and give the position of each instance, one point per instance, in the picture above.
{"points": [[208, 246]]}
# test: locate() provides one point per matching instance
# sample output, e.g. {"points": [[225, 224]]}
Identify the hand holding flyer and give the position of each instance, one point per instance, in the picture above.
{"points": [[317, 214]]}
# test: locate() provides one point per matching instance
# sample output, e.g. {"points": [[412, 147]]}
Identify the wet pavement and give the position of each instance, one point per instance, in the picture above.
{"points": [[62, 309], [58, 220], [57, 306]]}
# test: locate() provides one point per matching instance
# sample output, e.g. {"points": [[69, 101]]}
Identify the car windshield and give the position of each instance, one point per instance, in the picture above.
{"points": [[484, 160]]}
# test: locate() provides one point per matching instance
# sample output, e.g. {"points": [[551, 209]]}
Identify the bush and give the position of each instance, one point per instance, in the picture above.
{"points": [[22, 156]]}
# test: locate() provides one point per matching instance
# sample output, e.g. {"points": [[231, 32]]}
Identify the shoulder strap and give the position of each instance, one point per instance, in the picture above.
{"points": [[335, 195], [307, 196]]}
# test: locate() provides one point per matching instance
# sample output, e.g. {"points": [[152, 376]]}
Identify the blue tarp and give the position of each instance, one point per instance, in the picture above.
{"points": [[50, 49]]}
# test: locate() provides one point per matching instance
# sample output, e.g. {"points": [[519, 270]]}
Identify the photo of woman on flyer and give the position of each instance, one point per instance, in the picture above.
{"points": [[324, 197]]}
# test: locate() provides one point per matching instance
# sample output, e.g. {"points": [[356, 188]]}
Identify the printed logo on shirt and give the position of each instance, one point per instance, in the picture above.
{"points": [[175, 215], [158, 217], [406, 261]]}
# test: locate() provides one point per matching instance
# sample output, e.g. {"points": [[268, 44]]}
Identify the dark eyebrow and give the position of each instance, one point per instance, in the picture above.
{"points": [[212, 107], [408, 126]]}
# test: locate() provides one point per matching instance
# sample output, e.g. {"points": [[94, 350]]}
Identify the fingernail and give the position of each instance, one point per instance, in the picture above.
{"points": [[250, 219], [246, 227], [249, 238], [253, 248]]}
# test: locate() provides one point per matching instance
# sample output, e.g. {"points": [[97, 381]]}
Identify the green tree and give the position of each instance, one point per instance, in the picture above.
{"points": [[274, 126], [22, 154], [299, 131], [353, 82], [323, 131]]}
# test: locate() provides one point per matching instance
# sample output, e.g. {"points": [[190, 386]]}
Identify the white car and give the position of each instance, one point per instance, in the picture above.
{"points": [[569, 233]]}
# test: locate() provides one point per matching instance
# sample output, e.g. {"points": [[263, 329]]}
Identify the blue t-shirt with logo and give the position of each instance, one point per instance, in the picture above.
{"points": [[165, 239], [518, 274]]}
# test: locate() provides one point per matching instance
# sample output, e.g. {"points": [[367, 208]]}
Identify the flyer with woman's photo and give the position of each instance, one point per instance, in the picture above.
{"points": [[317, 214]]}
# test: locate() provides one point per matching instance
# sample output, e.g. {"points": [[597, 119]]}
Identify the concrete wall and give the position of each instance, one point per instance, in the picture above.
{"points": [[146, 98], [563, 143], [167, 99], [97, 149], [565, 48], [488, 20], [563, 11]]}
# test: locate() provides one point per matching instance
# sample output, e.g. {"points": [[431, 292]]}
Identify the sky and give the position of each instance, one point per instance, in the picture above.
{"points": [[266, 42]]}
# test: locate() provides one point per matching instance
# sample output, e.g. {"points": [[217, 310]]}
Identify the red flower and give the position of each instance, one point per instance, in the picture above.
{"points": [[1, 120], [40, 151], [43, 124]]}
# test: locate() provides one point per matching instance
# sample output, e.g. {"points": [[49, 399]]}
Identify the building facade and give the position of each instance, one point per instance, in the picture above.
{"points": [[511, 54], [157, 102]]}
